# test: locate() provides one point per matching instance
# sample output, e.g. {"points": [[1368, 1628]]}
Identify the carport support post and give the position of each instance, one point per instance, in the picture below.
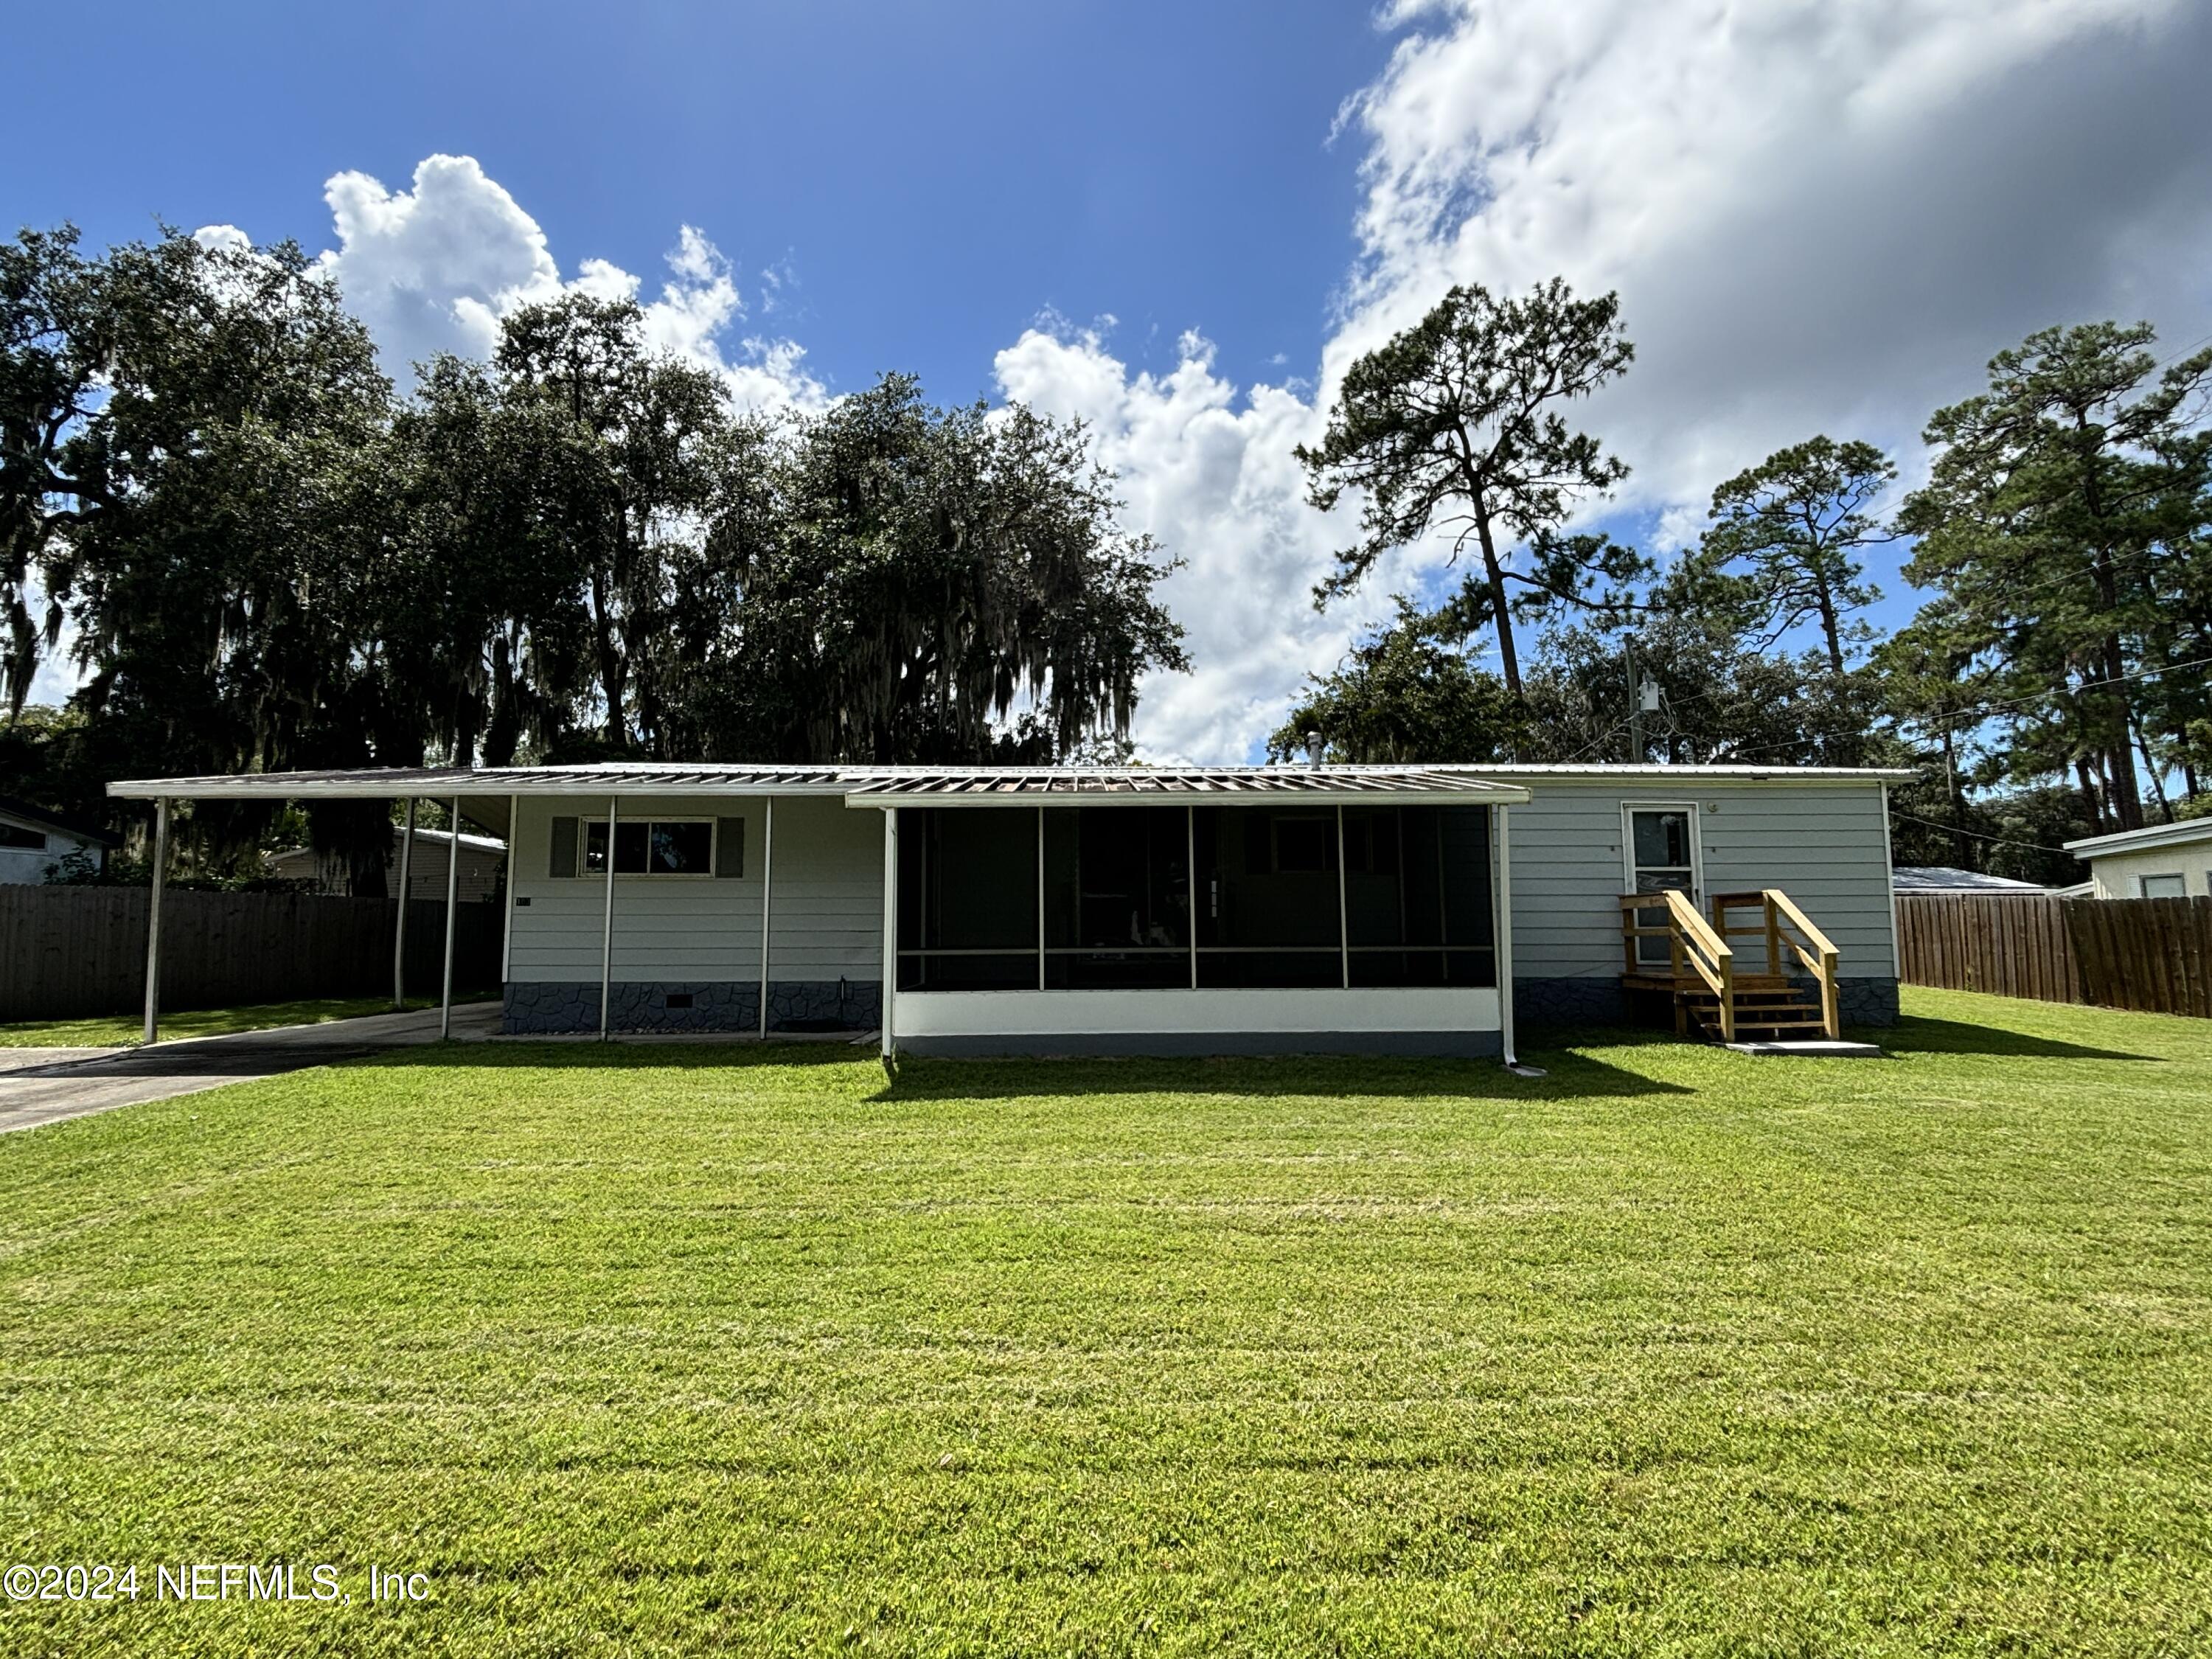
{"points": [[891, 925], [768, 876], [399, 933], [1502, 938], [154, 920], [607, 928], [452, 916]]}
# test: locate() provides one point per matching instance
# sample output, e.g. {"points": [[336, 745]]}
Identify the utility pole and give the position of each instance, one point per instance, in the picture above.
{"points": [[1635, 709]]}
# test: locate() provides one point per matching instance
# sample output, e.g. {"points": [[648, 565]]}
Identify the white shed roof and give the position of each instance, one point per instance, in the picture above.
{"points": [[2186, 833]]}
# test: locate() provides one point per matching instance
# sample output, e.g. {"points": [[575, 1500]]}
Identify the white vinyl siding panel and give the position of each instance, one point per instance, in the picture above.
{"points": [[827, 913], [829, 909], [1823, 844]]}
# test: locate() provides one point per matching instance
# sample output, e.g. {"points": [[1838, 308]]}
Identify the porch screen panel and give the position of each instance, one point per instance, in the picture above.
{"points": [[1117, 897], [1417, 895], [966, 899], [1267, 900]]}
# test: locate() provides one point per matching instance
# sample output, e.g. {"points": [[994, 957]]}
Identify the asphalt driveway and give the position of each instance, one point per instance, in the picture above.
{"points": [[49, 1085]]}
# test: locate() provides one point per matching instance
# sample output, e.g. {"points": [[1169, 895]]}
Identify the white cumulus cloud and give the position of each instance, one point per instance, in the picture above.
{"points": [[1820, 215], [1209, 471], [434, 268]]}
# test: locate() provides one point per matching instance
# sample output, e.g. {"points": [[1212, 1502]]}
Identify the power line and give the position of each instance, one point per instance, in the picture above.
{"points": [[1975, 835], [1983, 712]]}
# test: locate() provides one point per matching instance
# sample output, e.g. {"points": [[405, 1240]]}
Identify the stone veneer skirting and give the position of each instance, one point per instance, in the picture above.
{"points": [[551, 1007], [1600, 1002]]}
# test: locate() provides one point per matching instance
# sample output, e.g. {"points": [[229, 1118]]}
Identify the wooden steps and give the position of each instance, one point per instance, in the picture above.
{"points": [[1719, 995]]}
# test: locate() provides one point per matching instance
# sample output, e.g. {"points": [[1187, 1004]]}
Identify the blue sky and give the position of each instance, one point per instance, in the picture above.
{"points": [[926, 178], [1182, 222]]}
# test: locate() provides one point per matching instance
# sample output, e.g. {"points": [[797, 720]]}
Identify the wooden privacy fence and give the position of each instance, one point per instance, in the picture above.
{"points": [[2152, 954], [71, 951]]}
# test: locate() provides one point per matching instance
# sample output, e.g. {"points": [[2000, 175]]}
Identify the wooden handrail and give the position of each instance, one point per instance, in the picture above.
{"points": [[1817, 954], [1693, 941]]}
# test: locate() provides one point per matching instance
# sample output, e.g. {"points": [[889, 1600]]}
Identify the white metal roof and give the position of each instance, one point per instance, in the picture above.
{"points": [[873, 785], [1718, 771], [1943, 878], [486, 788], [2184, 834]]}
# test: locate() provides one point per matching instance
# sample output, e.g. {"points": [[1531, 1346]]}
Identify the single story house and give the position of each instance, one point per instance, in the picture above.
{"points": [[1909, 878], [2161, 861], [33, 843], [1170, 909], [482, 858]]}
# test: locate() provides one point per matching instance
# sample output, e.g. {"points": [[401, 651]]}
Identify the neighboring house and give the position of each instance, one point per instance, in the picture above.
{"points": [[2163, 860], [34, 842], [1942, 878], [1145, 910], [482, 858]]}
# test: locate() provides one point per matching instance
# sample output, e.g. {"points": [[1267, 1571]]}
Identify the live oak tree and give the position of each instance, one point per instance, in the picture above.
{"points": [[940, 585], [1454, 428], [2065, 523], [180, 484], [266, 559], [652, 432], [1782, 549]]}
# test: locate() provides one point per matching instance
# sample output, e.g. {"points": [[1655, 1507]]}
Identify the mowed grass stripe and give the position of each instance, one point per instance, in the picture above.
{"points": [[675, 1351]]}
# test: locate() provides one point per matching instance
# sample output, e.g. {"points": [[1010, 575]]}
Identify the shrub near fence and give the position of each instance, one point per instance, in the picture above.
{"points": [[68, 952], [2151, 955]]}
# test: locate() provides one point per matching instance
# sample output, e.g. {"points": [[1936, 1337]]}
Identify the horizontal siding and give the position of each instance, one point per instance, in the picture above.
{"points": [[827, 905], [828, 910], [1823, 844]]}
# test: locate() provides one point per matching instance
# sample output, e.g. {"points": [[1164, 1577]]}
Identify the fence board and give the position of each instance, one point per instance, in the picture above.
{"points": [[2152, 954], [2015, 945], [68, 952]]}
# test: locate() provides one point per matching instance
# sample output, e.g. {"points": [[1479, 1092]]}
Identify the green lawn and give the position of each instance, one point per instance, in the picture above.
{"points": [[116, 1029], [689, 1351]]}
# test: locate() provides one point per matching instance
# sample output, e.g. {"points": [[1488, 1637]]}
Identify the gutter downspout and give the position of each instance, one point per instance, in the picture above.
{"points": [[1503, 936], [1889, 859], [507, 932]]}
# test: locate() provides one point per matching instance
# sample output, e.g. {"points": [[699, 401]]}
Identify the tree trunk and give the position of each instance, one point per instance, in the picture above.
{"points": [[1829, 627], [2119, 756], [1509, 658], [610, 664], [2150, 767], [504, 731], [2089, 794], [1963, 847]]}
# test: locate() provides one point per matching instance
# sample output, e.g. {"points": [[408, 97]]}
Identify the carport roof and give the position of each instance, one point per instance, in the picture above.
{"points": [[874, 785]]}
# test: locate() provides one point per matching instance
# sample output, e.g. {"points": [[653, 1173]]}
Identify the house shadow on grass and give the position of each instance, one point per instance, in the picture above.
{"points": [[1914, 1035], [1568, 1076], [919, 1078]]}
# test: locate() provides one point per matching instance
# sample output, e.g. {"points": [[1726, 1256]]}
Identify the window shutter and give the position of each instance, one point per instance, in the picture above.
{"points": [[564, 847], [729, 847]]}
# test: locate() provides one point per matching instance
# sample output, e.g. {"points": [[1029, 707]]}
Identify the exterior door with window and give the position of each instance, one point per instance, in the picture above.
{"points": [[1663, 855]]}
